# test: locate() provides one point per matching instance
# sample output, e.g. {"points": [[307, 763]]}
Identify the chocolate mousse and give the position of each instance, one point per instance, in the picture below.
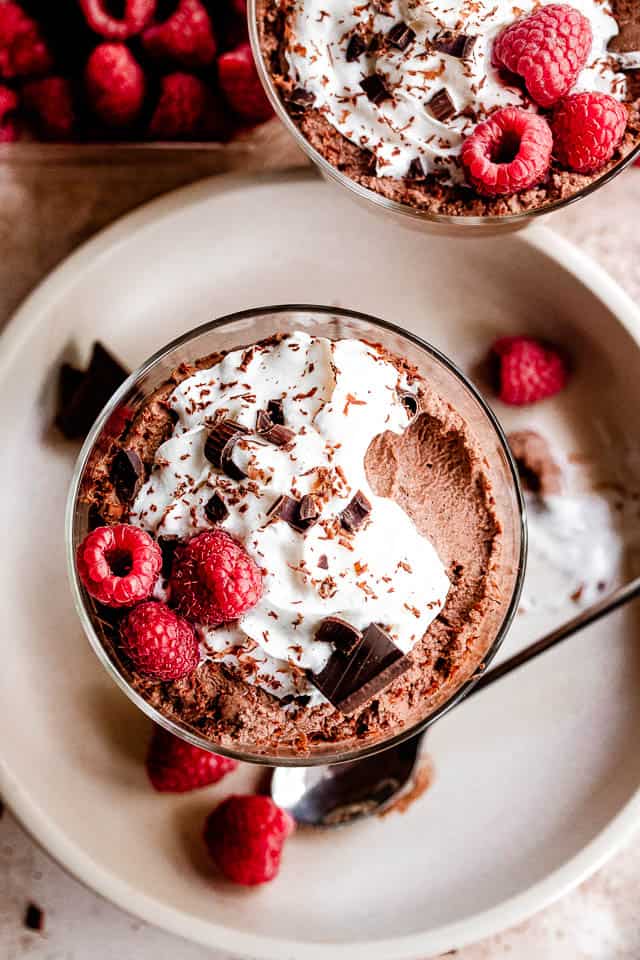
{"points": [[389, 92], [364, 501]]}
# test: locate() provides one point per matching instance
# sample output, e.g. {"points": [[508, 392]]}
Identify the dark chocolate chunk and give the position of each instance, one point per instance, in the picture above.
{"points": [[168, 546], [279, 435], [355, 48], [308, 509], [263, 421], [299, 99], [416, 170], [288, 509], [33, 917], [410, 401], [356, 513], [93, 389], [401, 36], [127, 473], [348, 681], [216, 509], [219, 437], [458, 45], [275, 410], [342, 635], [375, 89], [442, 106]]}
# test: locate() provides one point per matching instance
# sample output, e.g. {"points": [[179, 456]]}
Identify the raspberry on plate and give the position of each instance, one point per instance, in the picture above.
{"points": [[137, 14], [509, 152], [174, 766], [8, 105], [548, 49], [23, 51], [185, 38], [587, 129], [245, 836], [51, 101], [159, 643], [527, 370], [241, 85], [214, 579], [187, 109], [118, 565], [115, 84]]}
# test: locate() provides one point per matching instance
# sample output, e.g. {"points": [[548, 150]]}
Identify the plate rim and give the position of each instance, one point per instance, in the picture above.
{"points": [[66, 852]]}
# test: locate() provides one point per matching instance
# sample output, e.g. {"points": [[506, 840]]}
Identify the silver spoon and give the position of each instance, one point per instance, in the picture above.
{"points": [[332, 795]]}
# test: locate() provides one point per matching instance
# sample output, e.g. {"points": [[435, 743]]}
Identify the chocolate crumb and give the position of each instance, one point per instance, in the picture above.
{"points": [[34, 918], [323, 562]]}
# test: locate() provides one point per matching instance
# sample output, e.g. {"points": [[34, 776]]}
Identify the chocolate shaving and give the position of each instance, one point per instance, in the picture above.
{"points": [[127, 473], [216, 509], [375, 89], [401, 36], [340, 634], [458, 45], [224, 433], [299, 99], [83, 394], [275, 410], [348, 681], [356, 513], [355, 48], [442, 106], [279, 435]]}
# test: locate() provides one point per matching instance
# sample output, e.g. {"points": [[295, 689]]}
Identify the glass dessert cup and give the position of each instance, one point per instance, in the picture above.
{"points": [[407, 215], [242, 329]]}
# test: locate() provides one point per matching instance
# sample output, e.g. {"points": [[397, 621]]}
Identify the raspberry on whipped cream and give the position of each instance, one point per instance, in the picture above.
{"points": [[298, 499]]}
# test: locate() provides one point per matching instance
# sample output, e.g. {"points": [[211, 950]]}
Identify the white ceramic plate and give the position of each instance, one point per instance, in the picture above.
{"points": [[536, 780]]}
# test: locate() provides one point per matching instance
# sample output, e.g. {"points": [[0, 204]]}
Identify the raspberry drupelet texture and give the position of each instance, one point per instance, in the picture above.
{"points": [[185, 38], [587, 129], [23, 51], [509, 152], [548, 49], [159, 643], [137, 15], [51, 102], [115, 84], [8, 105], [214, 579], [119, 565], [174, 766], [527, 370], [240, 83], [245, 836], [187, 109]]}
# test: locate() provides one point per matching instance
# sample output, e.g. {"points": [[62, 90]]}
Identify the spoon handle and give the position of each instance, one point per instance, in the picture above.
{"points": [[616, 599]]}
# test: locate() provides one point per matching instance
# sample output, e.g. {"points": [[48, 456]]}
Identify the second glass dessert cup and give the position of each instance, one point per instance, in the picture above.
{"points": [[242, 329]]}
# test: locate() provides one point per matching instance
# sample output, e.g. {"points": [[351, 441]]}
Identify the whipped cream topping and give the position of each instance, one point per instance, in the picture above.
{"points": [[337, 396], [404, 128]]}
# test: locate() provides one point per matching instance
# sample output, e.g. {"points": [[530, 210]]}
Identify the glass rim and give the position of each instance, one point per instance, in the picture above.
{"points": [[405, 209], [78, 594]]}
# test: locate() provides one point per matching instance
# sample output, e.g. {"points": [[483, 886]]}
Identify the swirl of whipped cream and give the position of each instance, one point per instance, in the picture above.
{"points": [[337, 396], [403, 128]]}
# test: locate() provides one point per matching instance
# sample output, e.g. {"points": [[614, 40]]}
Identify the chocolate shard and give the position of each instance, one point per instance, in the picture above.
{"points": [[127, 473], [219, 437], [340, 634], [275, 409], [416, 170], [355, 48], [442, 106], [263, 421], [375, 89], [308, 509], [288, 509], [401, 36], [299, 99], [356, 513], [459, 45], [80, 405], [348, 681], [34, 918], [216, 509], [279, 435]]}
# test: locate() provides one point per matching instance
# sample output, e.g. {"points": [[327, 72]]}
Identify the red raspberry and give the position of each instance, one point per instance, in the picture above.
{"points": [[8, 105], [241, 85], [214, 579], [187, 109], [23, 52], [547, 49], [509, 152], [115, 84], [52, 103], [137, 15], [159, 643], [119, 565], [527, 370], [185, 38], [245, 837], [174, 766], [587, 128]]}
